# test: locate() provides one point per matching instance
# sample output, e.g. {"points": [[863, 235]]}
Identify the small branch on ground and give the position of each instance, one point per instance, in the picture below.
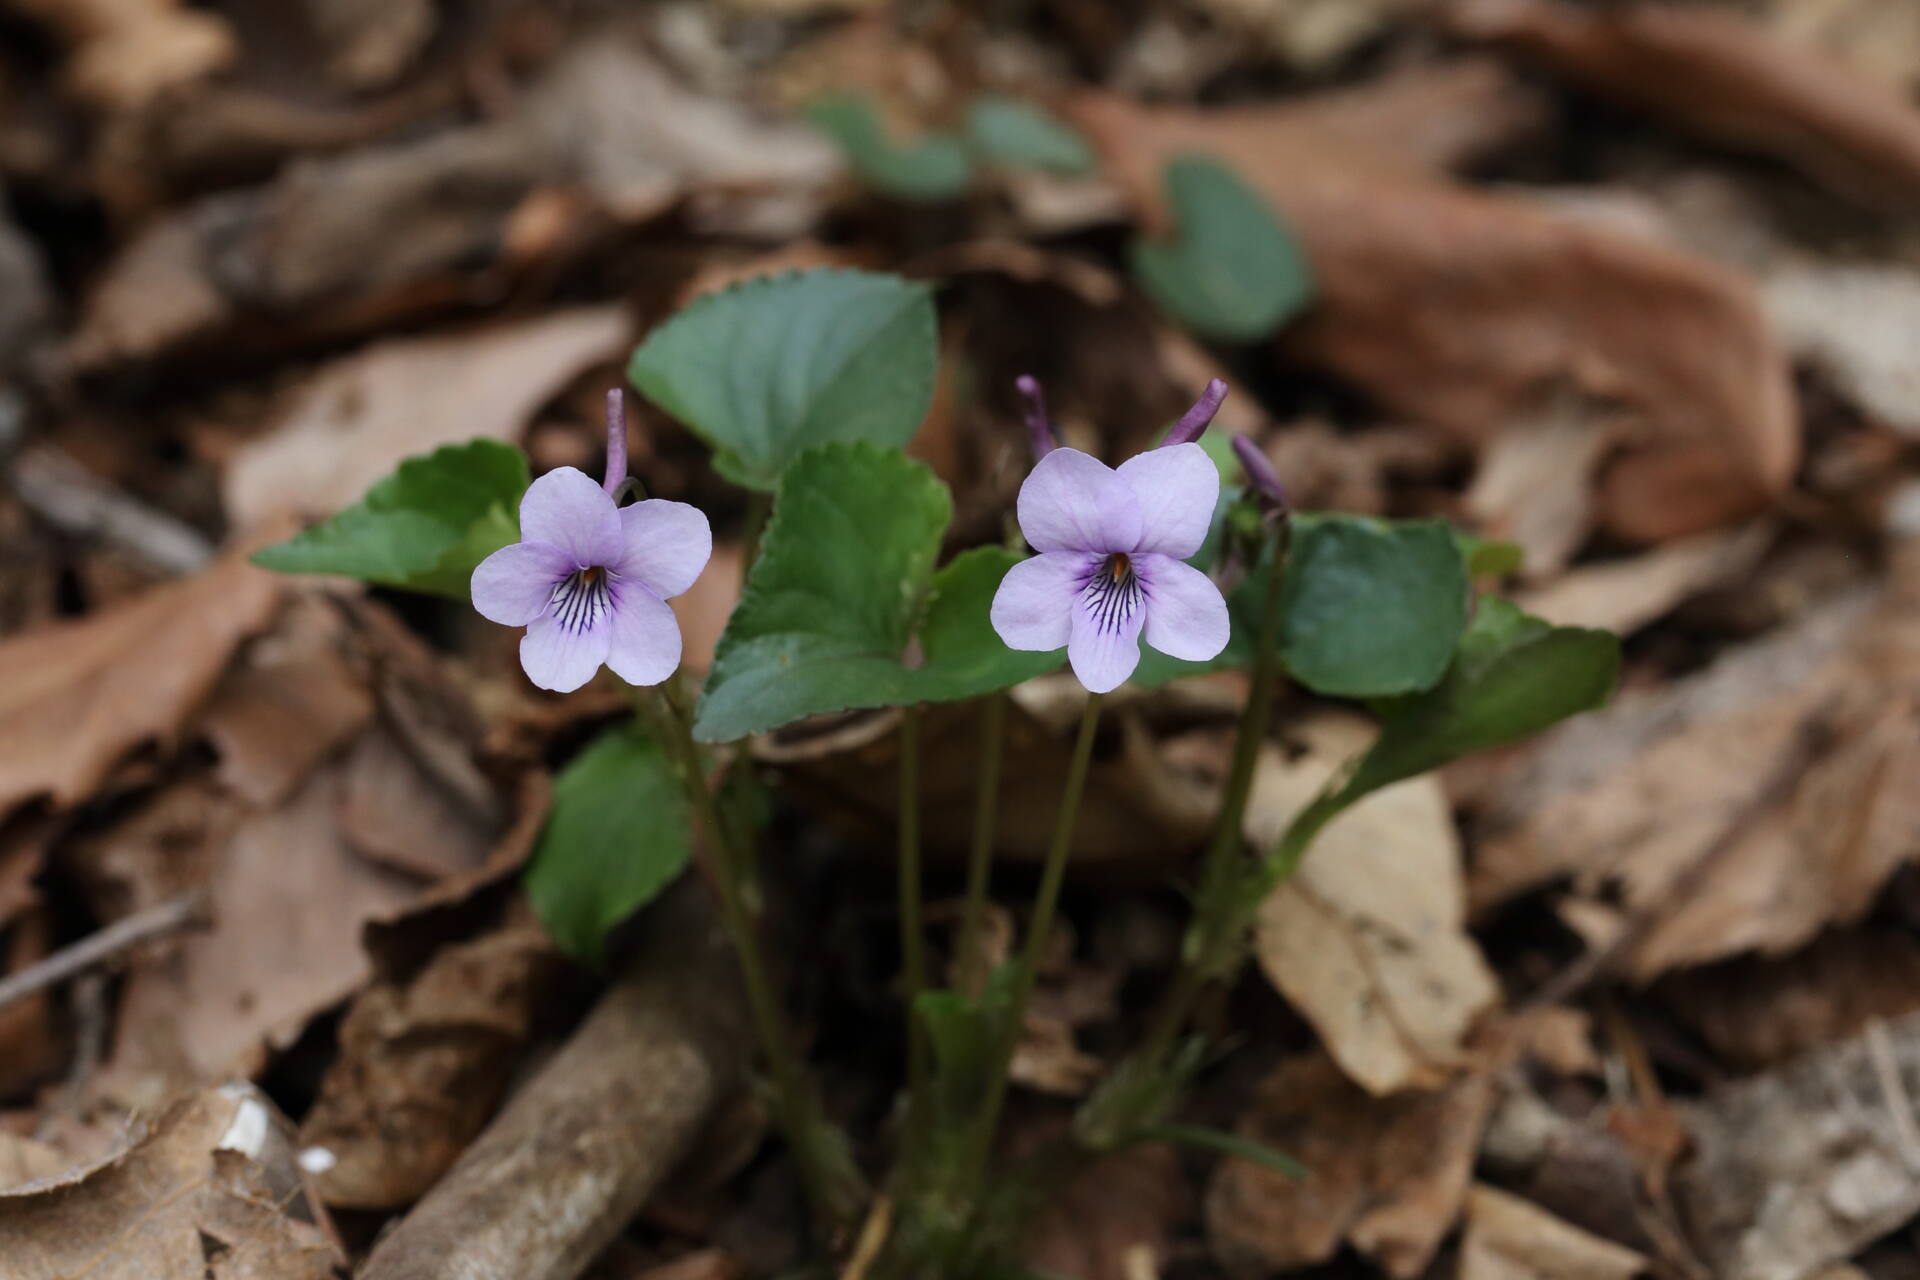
{"points": [[187, 910]]}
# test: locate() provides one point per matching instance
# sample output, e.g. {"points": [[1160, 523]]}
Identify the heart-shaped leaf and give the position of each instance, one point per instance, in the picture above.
{"points": [[842, 590], [1369, 608], [779, 364], [617, 836], [928, 169], [1232, 272], [423, 528], [1010, 131]]}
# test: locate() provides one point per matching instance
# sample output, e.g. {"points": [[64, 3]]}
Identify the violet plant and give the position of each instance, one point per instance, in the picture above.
{"points": [[807, 386]]}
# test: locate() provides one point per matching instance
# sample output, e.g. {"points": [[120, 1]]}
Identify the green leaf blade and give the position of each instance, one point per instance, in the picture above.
{"points": [[1371, 608], [1015, 132], [768, 368], [1232, 272], [618, 835], [423, 528], [926, 170]]}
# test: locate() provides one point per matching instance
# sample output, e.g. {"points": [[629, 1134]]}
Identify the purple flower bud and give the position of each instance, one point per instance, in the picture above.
{"points": [[1039, 427], [1195, 420], [1260, 472], [616, 444]]}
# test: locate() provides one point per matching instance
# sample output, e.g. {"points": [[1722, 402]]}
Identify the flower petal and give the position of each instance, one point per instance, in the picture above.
{"points": [[561, 658], [1072, 501], [667, 545], [646, 635], [1177, 488], [514, 585], [1033, 609], [566, 508], [1104, 645], [1186, 614]]}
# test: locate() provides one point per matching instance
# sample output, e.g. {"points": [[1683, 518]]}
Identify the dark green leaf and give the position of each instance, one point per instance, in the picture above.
{"points": [[1513, 675], [843, 584], [617, 836], [1232, 272], [1371, 607], [1014, 132], [766, 369], [423, 528], [966, 1035], [1193, 1135], [928, 169]]}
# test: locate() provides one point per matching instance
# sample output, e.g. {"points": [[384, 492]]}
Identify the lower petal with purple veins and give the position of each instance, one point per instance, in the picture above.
{"points": [[560, 656], [645, 646], [1103, 645], [1186, 614]]}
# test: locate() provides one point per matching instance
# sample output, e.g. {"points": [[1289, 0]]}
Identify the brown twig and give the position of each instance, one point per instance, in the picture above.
{"points": [[74, 500], [187, 910]]}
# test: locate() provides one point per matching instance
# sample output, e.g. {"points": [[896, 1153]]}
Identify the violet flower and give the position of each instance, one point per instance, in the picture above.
{"points": [[1111, 568], [590, 581]]}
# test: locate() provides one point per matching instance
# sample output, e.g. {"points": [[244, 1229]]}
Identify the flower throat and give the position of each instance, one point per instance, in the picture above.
{"points": [[1113, 592]]}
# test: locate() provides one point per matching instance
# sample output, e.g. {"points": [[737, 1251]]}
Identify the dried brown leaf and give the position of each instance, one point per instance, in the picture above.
{"points": [[357, 418], [1707, 69], [1465, 309], [1368, 939], [1115, 1221], [1389, 1175], [1625, 595], [1508, 1238], [75, 698]]}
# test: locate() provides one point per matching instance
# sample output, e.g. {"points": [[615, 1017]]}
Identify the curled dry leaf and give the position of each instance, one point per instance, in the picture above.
{"points": [[1625, 595], [1508, 1238], [76, 697], [422, 1065], [1388, 1175], [357, 418], [1368, 939], [1635, 800], [212, 1190], [1707, 69], [1115, 1220], [1465, 310], [1804, 1166]]}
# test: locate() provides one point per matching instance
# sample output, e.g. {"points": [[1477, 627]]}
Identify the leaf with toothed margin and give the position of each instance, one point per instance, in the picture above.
{"points": [[768, 368], [423, 528], [843, 594]]}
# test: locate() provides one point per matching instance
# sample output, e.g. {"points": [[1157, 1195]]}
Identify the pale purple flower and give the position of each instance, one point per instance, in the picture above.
{"points": [[1111, 568], [589, 580]]}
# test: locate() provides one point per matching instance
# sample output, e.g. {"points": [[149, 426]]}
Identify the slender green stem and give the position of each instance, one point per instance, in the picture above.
{"points": [[796, 1114], [913, 951], [971, 967], [1052, 876], [1219, 908]]}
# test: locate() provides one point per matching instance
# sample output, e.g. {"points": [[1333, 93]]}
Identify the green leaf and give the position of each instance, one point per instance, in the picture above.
{"points": [[1512, 675], [771, 367], [844, 584], [1193, 1135], [423, 528], [617, 836], [929, 169], [1015, 132], [1232, 272], [965, 1035], [1487, 558], [1371, 607]]}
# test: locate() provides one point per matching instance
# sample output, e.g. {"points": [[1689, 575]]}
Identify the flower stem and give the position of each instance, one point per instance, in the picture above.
{"points": [[971, 968], [1220, 911], [1048, 897], [831, 1189], [913, 952]]}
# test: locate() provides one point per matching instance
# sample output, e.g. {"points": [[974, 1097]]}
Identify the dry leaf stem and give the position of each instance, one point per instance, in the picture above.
{"points": [[142, 926]]}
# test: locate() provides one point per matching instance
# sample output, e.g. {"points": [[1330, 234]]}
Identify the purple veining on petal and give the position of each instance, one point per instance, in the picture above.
{"points": [[1195, 420], [1260, 472], [1040, 431]]}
